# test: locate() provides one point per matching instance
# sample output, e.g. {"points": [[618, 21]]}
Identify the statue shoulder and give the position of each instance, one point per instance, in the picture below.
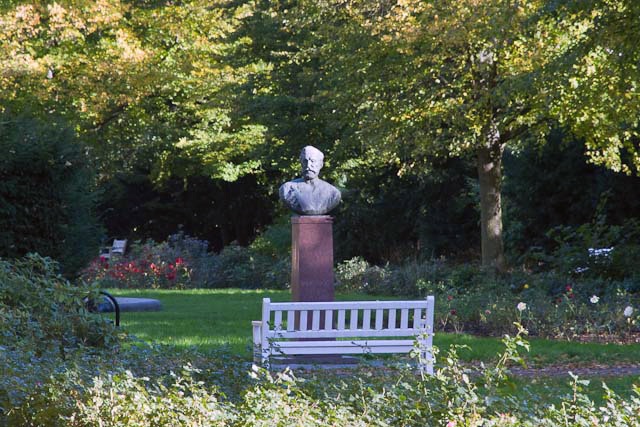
{"points": [[329, 187], [289, 184]]}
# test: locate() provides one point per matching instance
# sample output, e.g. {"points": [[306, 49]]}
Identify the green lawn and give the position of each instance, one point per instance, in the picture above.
{"points": [[210, 318]]}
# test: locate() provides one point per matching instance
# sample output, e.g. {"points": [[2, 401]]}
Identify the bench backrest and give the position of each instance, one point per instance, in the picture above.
{"points": [[282, 320], [119, 247]]}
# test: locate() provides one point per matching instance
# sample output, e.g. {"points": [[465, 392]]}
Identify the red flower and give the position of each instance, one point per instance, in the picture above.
{"points": [[453, 312], [179, 261], [449, 297], [568, 288]]}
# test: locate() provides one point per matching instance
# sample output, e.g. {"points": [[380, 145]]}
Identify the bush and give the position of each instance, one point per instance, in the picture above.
{"points": [[358, 275], [247, 268], [596, 249], [472, 299], [46, 193], [44, 323], [156, 391], [183, 262]]}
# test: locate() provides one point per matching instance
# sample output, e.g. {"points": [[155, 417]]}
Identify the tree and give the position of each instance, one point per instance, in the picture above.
{"points": [[445, 78], [47, 192], [150, 86], [596, 78], [143, 83]]}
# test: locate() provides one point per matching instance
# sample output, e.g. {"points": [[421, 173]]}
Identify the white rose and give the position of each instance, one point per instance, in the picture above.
{"points": [[521, 306], [594, 299], [628, 311]]}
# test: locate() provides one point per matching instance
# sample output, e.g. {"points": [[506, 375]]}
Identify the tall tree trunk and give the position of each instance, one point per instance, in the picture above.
{"points": [[489, 159]]}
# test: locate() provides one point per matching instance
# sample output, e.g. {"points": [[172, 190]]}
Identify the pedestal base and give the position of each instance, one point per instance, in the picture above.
{"points": [[312, 258]]}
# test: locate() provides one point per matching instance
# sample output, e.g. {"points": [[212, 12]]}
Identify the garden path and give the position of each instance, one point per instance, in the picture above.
{"points": [[588, 370]]}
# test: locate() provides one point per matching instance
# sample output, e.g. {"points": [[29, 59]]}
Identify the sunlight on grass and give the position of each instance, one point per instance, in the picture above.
{"points": [[213, 318]]}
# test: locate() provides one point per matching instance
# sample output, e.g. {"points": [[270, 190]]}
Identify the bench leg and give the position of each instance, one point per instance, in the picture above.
{"points": [[258, 350], [426, 363]]}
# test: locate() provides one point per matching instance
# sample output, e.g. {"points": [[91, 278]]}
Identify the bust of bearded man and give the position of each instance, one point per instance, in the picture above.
{"points": [[310, 195]]}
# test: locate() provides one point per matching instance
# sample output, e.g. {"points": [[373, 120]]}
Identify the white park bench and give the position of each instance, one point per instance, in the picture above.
{"points": [[350, 327], [119, 247]]}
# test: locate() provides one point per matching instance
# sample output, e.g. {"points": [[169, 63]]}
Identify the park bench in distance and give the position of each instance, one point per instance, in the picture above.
{"points": [[118, 247], [346, 327]]}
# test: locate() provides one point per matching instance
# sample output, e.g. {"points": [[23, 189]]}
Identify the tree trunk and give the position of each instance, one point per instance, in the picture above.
{"points": [[490, 178]]}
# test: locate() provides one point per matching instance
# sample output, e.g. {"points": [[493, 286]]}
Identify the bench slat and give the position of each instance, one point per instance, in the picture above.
{"points": [[328, 319], [344, 347], [404, 318], [342, 333], [315, 322], [379, 319], [392, 319], [353, 324], [277, 324], [366, 319], [340, 319], [303, 321], [347, 305], [291, 322]]}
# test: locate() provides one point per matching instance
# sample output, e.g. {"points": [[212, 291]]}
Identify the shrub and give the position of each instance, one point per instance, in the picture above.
{"points": [[243, 267], [147, 386], [125, 399], [46, 193], [592, 250], [179, 263], [472, 299], [44, 323], [358, 275], [183, 262]]}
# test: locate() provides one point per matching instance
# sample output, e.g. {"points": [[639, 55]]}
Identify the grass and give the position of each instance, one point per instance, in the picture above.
{"points": [[213, 318]]}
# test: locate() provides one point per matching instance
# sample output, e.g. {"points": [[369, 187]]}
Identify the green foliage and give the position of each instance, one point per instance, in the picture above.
{"points": [[183, 262], [156, 391], [275, 240], [595, 79], [44, 322], [125, 399], [421, 212], [592, 250], [137, 384], [46, 192], [240, 267], [478, 301], [43, 305], [358, 275], [580, 193]]}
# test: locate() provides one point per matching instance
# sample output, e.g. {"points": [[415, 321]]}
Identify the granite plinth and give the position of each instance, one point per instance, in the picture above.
{"points": [[312, 258]]}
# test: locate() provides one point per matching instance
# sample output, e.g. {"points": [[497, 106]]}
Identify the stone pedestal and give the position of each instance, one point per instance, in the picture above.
{"points": [[312, 258]]}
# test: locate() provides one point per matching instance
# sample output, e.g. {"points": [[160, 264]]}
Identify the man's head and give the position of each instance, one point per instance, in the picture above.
{"points": [[311, 160]]}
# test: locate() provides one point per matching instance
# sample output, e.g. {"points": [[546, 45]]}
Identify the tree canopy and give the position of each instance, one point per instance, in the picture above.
{"points": [[214, 99]]}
